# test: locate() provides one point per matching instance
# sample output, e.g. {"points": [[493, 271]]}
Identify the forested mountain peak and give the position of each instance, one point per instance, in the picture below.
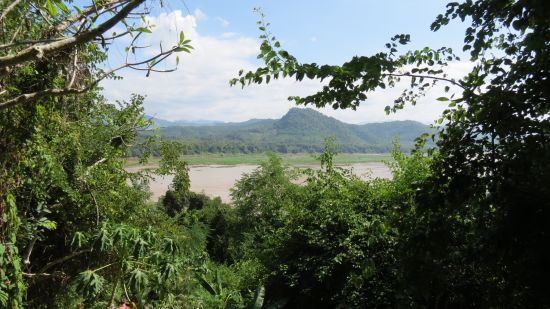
{"points": [[299, 130], [302, 118]]}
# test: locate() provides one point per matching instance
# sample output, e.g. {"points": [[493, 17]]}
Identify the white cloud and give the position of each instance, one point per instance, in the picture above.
{"points": [[223, 22], [199, 15], [199, 89]]}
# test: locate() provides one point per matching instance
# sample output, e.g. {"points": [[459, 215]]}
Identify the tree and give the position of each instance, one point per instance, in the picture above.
{"points": [[331, 242], [61, 142], [54, 34], [479, 233]]}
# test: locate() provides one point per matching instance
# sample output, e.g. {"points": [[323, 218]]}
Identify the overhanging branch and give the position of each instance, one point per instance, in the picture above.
{"points": [[63, 259], [39, 51], [27, 97], [426, 77]]}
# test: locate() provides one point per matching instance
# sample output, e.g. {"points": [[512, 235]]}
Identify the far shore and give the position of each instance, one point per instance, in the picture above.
{"points": [[222, 159]]}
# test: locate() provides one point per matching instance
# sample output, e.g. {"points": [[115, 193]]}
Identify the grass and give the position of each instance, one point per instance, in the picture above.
{"points": [[288, 159]]}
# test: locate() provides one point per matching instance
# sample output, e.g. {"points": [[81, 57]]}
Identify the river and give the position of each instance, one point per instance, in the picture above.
{"points": [[217, 180]]}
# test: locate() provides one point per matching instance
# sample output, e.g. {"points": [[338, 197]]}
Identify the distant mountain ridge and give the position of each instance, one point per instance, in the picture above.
{"points": [[161, 123], [300, 130]]}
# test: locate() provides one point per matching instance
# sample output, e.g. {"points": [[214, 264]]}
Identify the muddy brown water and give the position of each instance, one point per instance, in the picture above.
{"points": [[217, 180]]}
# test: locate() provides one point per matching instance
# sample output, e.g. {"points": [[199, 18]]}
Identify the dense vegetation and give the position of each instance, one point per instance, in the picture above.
{"points": [[300, 130], [460, 225]]}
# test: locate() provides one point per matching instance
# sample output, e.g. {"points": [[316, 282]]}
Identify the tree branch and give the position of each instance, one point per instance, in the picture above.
{"points": [[4, 46], [75, 68], [55, 92], [67, 91], [27, 259], [85, 12], [426, 76], [39, 51], [40, 94], [54, 274], [63, 259]]}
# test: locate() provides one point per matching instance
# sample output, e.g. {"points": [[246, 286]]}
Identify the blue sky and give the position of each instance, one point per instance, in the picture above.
{"points": [[331, 31], [224, 35]]}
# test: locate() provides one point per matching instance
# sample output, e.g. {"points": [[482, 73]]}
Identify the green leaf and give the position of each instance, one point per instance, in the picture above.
{"points": [[219, 281], [138, 279], [170, 270], [4, 297], [46, 223], [182, 49], [143, 29], [62, 6], [77, 9], [78, 239], [50, 8], [182, 37], [89, 283], [206, 285], [442, 99]]}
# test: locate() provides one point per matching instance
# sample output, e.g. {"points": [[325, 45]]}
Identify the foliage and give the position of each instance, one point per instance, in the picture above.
{"points": [[58, 34], [463, 225], [61, 175], [478, 234], [144, 265], [333, 241]]}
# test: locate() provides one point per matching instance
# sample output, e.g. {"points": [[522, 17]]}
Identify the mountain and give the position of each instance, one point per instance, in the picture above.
{"points": [[300, 130], [162, 123]]}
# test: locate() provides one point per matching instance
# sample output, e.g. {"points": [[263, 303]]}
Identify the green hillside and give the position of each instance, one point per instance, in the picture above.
{"points": [[300, 130]]}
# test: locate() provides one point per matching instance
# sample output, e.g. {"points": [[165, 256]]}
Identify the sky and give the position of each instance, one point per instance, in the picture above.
{"points": [[224, 35]]}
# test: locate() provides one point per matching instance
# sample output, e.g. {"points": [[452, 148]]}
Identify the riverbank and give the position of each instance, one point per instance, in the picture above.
{"points": [[257, 158]]}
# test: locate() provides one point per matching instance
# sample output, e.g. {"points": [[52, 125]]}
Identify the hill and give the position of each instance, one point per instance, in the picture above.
{"points": [[300, 130], [161, 123]]}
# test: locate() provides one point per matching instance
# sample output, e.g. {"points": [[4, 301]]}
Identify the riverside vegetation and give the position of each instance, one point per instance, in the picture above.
{"points": [[257, 158], [461, 224]]}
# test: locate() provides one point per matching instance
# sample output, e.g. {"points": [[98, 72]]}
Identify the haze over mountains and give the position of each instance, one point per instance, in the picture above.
{"points": [[300, 130]]}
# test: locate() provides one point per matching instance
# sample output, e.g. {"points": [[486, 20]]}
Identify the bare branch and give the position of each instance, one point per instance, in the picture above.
{"points": [[54, 274], [103, 39], [13, 44], [454, 82], [67, 91], [75, 68], [27, 259], [63, 259], [40, 94], [27, 97], [83, 13], [153, 70], [36, 52]]}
